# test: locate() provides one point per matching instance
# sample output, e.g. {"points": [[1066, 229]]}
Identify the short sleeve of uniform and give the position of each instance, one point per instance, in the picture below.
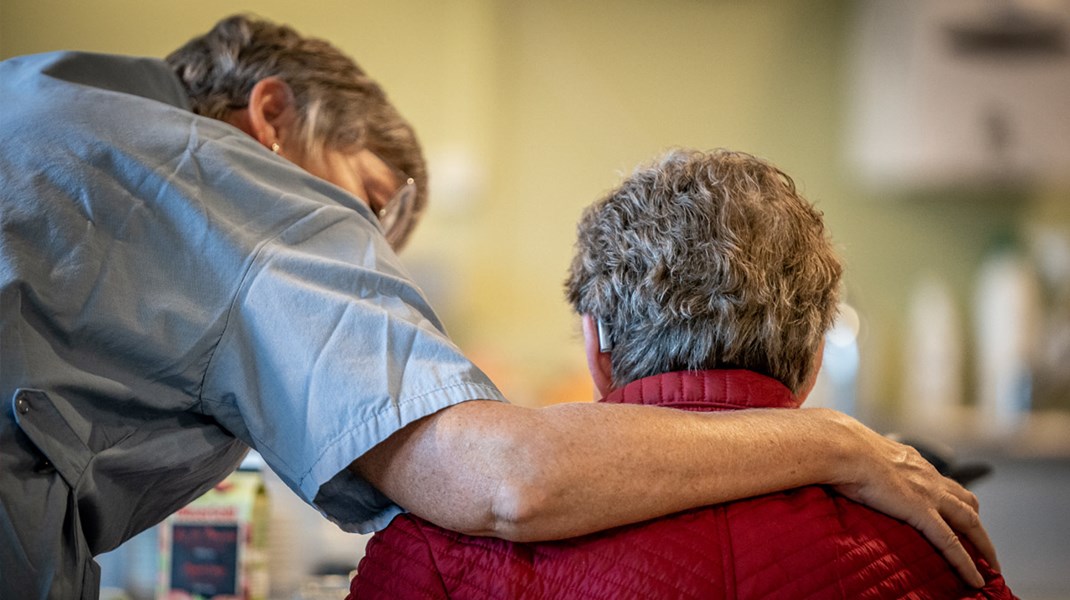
{"points": [[329, 348]]}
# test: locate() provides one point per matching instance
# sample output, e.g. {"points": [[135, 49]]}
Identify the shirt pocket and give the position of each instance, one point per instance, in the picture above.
{"points": [[60, 446]]}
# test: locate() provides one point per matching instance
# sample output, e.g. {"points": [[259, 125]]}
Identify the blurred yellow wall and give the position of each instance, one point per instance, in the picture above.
{"points": [[530, 110]]}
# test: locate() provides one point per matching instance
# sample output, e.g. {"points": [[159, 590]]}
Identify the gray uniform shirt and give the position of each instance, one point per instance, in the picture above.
{"points": [[172, 293]]}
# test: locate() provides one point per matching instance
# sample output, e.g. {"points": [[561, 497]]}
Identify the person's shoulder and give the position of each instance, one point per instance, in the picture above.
{"points": [[398, 562], [136, 75]]}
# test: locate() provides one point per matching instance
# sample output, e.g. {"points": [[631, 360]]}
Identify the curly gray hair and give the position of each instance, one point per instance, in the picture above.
{"points": [[707, 260], [338, 105]]}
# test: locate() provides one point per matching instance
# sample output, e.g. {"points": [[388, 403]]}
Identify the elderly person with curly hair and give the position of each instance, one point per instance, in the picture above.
{"points": [[197, 257], [705, 283]]}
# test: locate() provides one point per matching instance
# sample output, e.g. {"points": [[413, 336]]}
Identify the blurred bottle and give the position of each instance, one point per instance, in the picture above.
{"points": [[1006, 320], [932, 363]]}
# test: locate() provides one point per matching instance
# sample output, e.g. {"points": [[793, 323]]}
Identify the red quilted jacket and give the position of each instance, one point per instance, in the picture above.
{"points": [[804, 543]]}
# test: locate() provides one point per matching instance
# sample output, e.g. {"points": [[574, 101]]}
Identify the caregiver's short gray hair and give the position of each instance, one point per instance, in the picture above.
{"points": [[705, 260], [338, 105]]}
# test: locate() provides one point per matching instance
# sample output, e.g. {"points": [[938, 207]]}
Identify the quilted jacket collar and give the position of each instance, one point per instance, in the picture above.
{"points": [[721, 389]]}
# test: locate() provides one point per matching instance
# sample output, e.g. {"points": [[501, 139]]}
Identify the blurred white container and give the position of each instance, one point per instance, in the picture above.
{"points": [[932, 390], [1007, 317]]}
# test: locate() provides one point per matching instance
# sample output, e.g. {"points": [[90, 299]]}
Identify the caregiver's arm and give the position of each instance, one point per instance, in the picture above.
{"points": [[489, 468]]}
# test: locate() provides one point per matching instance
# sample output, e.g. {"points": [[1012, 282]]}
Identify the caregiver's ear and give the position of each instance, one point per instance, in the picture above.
{"points": [[270, 116]]}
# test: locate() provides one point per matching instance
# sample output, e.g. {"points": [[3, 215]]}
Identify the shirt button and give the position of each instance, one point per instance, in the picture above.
{"points": [[22, 405]]}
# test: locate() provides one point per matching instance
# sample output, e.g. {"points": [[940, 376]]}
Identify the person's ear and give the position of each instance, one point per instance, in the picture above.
{"points": [[599, 363], [271, 114]]}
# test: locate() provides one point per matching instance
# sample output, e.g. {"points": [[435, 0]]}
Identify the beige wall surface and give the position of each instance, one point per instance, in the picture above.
{"points": [[530, 110]]}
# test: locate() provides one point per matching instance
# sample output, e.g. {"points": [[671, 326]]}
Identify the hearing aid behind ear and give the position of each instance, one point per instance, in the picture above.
{"points": [[605, 342]]}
